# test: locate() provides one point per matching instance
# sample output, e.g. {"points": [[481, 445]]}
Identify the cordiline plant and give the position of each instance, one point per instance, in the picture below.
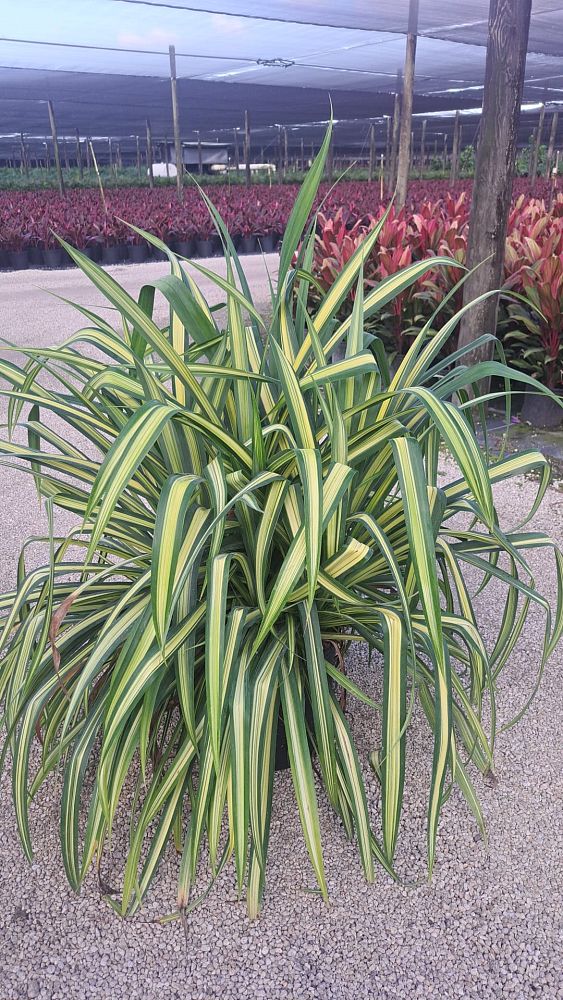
{"points": [[247, 495]]}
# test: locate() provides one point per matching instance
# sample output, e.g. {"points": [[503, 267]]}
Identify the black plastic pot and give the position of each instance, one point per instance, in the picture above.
{"points": [[92, 252], [542, 411], [204, 248], [112, 255], [137, 252], [268, 243], [53, 257], [185, 248], [35, 256], [19, 260], [247, 244]]}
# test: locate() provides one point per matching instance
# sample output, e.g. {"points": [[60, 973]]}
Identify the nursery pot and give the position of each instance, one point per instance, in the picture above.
{"points": [[4, 259], [268, 242], [204, 248], [282, 754], [248, 244], [92, 252], [540, 410], [53, 257], [185, 248], [35, 256], [112, 255], [138, 252], [19, 260]]}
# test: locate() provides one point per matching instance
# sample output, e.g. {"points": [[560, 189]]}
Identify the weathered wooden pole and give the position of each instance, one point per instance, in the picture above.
{"points": [[406, 109], [65, 151], [88, 157], [455, 151], [387, 149], [551, 146], [236, 158], [110, 154], [247, 170], [303, 167], [176, 122], [494, 167], [138, 152], [285, 152], [79, 155], [24, 158], [422, 163], [149, 154], [445, 153], [371, 168], [537, 144], [199, 155], [395, 134], [56, 147]]}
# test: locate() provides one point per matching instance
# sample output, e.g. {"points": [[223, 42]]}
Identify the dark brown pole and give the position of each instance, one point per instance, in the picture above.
{"points": [[388, 150], [551, 146], [235, 139], [537, 144], [65, 150], [247, 169], [406, 110], [79, 155], [166, 157], [56, 147], [445, 153], [199, 156], [138, 150], [88, 161], [455, 151], [47, 155], [395, 134], [422, 149], [149, 154], [24, 159], [494, 168], [371, 168], [176, 120], [110, 154]]}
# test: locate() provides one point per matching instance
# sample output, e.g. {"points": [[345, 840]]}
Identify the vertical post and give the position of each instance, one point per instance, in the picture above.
{"points": [[235, 138], [166, 157], [537, 144], [65, 150], [406, 110], [395, 134], [79, 156], [455, 151], [119, 159], [176, 120], [371, 168], [149, 154], [88, 160], [330, 160], [248, 172], [199, 155], [551, 146], [110, 154], [24, 159], [422, 149], [47, 155], [494, 167], [56, 147], [388, 149], [285, 156], [303, 168], [138, 151], [445, 153]]}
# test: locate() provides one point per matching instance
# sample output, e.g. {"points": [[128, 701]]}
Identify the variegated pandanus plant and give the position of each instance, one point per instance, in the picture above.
{"points": [[242, 502]]}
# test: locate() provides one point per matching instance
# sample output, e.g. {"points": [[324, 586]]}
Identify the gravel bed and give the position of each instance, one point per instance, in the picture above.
{"points": [[488, 926]]}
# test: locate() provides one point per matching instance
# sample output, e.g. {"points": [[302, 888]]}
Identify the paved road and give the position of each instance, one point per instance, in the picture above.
{"points": [[30, 315]]}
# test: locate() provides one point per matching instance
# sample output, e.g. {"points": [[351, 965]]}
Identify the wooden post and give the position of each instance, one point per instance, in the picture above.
{"points": [[395, 134], [65, 151], [537, 144], [56, 147], [166, 158], [247, 169], [445, 153], [455, 151], [119, 157], [494, 167], [371, 168], [303, 167], [551, 146], [138, 151], [406, 110], [422, 149], [235, 139], [110, 154], [199, 155], [149, 154], [79, 155], [176, 120], [24, 159], [387, 150], [88, 159], [284, 152]]}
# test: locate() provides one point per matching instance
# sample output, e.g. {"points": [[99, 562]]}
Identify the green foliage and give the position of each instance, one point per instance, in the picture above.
{"points": [[243, 499]]}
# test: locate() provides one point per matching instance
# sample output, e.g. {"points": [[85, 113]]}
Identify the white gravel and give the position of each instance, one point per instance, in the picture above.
{"points": [[489, 925]]}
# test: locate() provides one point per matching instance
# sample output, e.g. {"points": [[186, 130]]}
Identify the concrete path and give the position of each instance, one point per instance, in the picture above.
{"points": [[30, 315]]}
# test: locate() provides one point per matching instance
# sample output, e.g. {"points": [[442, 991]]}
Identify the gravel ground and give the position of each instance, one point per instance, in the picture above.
{"points": [[488, 926]]}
